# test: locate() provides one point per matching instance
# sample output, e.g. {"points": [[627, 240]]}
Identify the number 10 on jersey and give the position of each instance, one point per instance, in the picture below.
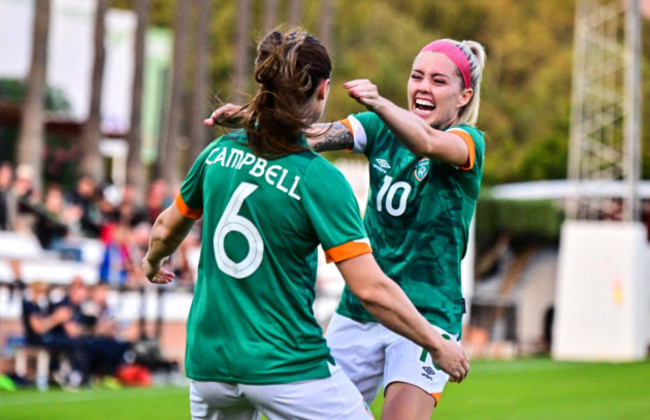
{"points": [[388, 190]]}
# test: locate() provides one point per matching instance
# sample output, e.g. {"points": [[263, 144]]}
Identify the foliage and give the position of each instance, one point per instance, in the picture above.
{"points": [[526, 96], [58, 155], [13, 91], [525, 221]]}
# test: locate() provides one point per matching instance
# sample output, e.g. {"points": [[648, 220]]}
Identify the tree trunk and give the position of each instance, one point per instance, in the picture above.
{"points": [[198, 133], [135, 174], [170, 159], [31, 140], [241, 51], [270, 14], [91, 161], [327, 24], [295, 12]]}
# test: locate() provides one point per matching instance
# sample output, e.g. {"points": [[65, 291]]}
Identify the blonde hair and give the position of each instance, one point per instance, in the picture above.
{"points": [[475, 54]]}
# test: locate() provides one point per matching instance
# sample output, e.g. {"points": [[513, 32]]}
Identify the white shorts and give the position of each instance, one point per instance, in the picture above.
{"points": [[329, 398], [373, 356]]}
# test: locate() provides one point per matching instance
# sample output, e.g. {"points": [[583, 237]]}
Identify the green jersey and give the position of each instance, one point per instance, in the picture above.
{"points": [[251, 319], [417, 218]]}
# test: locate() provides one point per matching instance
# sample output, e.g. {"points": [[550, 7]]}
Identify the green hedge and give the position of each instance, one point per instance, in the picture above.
{"points": [[13, 91], [526, 221]]}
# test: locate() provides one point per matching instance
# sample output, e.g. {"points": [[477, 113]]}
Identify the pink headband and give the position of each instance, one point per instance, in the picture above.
{"points": [[455, 54]]}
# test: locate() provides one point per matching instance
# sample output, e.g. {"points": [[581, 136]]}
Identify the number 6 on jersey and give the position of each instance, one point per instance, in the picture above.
{"points": [[231, 221]]}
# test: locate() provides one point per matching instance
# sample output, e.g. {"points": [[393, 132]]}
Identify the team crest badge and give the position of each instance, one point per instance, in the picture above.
{"points": [[421, 169]]}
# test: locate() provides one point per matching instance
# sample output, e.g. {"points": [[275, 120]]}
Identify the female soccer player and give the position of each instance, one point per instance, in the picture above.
{"points": [[268, 200], [426, 165]]}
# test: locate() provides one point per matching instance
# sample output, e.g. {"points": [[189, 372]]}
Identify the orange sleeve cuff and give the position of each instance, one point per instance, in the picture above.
{"points": [[186, 211], [469, 141], [348, 250]]}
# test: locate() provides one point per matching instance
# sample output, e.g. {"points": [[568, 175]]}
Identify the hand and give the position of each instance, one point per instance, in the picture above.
{"points": [[61, 314], [365, 92], [155, 272], [222, 116], [452, 359]]}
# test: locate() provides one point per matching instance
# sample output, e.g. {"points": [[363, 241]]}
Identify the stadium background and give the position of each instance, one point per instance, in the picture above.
{"points": [[511, 273]]}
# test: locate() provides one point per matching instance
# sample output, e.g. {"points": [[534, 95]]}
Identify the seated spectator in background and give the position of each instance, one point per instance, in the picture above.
{"points": [[7, 199], [106, 346], [68, 336], [38, 318], [26, 197], [49, 227], [130, 212], [44, 326], [158, 199], [104, 323], [85, 197], [116, 268], [138, 244]]}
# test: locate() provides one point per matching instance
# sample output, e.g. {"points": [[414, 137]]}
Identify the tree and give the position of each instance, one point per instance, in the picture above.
{"points": [[31, 140], [241, 50], [270, 14], [295, 12], [135, 174], [91, 161], [327, 24], [170, 159], [198, 134]]}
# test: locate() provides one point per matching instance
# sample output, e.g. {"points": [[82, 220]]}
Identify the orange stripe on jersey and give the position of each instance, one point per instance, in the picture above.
{"points": [[436, 396], [469, 141], [348, 250], [346, 122], [185, 210]]}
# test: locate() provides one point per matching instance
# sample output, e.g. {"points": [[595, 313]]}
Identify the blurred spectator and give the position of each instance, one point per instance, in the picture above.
{"points": [[107, 347], [130, 213], [49, 226], [69, 335], [7, 200], [138, 244], [26, 197], [85, 196], [38, 319], [117, 267], [158, 199]]}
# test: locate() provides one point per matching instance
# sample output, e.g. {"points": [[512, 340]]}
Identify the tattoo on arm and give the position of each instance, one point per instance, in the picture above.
{"points": [[336, 137]]}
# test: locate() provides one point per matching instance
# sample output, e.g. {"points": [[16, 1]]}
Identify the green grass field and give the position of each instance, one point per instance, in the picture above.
{"points": [[522, 389]]}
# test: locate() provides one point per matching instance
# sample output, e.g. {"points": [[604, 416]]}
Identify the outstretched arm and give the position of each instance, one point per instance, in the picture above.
{"points": [[321, 137], [168, 232], [419, 137], [387, 302], [332, 136]]}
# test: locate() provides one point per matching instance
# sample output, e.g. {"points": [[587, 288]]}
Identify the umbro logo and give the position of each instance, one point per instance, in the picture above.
{"points": [[428, 372], [383, 163]]}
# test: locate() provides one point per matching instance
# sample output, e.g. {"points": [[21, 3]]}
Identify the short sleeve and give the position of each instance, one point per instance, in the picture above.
{"points": [[333, 212], [475, 144], [189, 200], [364, 127]]}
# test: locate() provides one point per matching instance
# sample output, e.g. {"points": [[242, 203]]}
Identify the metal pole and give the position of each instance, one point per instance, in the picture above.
{"points": [[577, 94], [632, 110]]}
